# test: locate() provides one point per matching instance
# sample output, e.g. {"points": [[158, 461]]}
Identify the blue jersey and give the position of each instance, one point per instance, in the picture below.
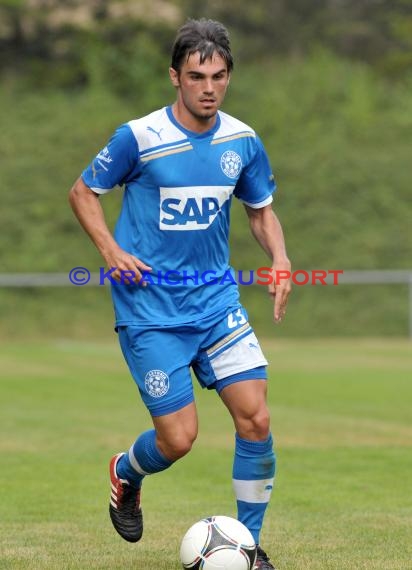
{"points": [[176, 211]]}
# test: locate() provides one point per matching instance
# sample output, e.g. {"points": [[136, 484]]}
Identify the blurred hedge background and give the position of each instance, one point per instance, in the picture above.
{"points": [[327, 84]]}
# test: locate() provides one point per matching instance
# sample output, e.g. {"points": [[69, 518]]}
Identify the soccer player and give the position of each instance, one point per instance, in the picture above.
{"points": [[181, 166]]}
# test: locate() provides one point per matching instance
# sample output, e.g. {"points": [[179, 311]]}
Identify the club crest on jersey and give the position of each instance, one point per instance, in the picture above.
{"points": [[156, 383], [191, 207], [231, 163]]}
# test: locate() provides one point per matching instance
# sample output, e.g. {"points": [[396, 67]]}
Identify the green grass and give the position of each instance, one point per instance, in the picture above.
{"points": [[341, 415]]}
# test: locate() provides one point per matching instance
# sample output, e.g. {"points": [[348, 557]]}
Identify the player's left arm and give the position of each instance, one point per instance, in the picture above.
{"points": [[267, 230]]}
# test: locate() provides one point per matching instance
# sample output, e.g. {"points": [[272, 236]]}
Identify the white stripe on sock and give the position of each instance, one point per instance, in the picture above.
{"points": [[253, 491], [135, 464]]}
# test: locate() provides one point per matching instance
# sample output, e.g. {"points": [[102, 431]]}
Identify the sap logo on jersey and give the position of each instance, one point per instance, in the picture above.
{"points": [[191, 207]]}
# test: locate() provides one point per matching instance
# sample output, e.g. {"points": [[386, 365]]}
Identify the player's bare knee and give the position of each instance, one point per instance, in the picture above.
{"points": [[255, 427], [177, 446], [177, 449], [262, 425]]}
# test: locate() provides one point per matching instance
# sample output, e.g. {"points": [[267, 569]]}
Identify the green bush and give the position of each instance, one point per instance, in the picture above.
{"points": [[338, 137]]}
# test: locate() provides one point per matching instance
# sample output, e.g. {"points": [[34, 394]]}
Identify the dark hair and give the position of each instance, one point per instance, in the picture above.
{"points": [[203, 36]]}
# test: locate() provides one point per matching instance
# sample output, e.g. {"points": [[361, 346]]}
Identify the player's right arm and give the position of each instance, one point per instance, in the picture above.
{"points": [[88, 210], [112, 167]]}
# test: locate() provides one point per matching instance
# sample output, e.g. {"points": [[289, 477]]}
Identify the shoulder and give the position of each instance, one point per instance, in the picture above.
{"points": [[154, 130], [232, 127], [152, 119]]}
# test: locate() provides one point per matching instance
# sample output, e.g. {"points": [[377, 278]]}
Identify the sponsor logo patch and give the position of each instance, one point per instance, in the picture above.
{"points": [[104, 155], [191, 207]]}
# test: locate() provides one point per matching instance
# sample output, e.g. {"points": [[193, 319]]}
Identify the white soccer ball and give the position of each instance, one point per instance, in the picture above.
{"points": [[218, 543]]}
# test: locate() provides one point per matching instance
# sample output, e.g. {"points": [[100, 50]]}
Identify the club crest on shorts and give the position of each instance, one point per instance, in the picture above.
{"points": [[156, 383], [231, 163]]}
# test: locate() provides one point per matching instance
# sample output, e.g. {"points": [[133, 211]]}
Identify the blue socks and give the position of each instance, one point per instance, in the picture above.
{"points": [[144, 458], [253, 475]]}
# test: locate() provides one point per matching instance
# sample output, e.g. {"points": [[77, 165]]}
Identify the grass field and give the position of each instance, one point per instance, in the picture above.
{"points": [[341, 415]]}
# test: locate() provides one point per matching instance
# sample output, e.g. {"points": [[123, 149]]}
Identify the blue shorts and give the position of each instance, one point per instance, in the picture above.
{"points": [[220, 350]]}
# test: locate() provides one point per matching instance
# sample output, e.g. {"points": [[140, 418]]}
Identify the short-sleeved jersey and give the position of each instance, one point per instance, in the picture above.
{"points": [[176, 211]]}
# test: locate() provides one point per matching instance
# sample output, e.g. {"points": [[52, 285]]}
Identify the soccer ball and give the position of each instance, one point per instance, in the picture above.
{"points": [[218, 543]]}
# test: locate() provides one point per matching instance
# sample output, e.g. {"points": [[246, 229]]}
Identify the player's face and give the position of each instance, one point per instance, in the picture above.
{"points": [[201, 88]]}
